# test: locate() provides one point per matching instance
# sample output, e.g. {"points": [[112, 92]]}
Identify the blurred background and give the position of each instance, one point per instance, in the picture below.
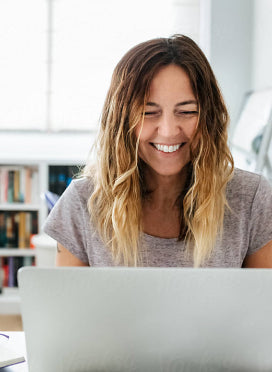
{"points": [[57, 56], [56, 61]]}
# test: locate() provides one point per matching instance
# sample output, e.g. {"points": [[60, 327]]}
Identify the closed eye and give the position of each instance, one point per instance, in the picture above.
{"points": [[187, 112], [149, 113]]}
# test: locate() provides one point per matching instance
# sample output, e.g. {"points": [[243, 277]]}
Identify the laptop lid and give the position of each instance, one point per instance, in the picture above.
{"points": [[147, 319]]}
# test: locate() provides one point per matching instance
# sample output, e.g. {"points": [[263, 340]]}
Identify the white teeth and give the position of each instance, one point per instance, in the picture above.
{"points": [[165, 148]]}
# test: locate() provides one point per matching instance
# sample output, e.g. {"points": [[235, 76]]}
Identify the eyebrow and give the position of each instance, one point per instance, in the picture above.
{"points": [[184, 103], [190, 102]]}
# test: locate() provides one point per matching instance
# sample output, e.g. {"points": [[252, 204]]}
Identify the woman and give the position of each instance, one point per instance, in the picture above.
{"points": [[164, 191]]}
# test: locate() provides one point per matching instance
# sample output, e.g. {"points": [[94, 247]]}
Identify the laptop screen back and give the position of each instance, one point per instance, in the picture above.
{"points": [[147, 319]]}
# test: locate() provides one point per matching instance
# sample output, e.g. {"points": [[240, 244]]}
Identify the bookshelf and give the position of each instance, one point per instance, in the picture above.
{"points": [[51, 160]]}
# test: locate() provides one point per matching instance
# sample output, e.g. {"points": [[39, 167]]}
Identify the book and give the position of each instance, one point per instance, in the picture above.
{"points": [[28, 228], [10, 186], [8, 355], [18, 262], [35, 193], [14, 264], [11, 272], [2, 230], [22, 232], [19, 184], [1, 274], [16, 186], [27, 185], [5, 268], [22, 184], [3, 185], [10, 233], [9, 267]]}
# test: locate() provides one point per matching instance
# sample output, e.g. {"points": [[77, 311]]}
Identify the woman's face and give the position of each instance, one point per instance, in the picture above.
{"points": [[170, 120]]}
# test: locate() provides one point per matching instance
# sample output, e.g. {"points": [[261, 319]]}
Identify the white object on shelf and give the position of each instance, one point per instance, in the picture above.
{"points": [[10, 301], [46, 249]]}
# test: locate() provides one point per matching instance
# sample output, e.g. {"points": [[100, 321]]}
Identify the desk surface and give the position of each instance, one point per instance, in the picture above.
{"points": [[17, 339]]}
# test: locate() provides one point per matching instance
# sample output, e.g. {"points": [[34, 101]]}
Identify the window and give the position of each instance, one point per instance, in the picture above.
{"points": [[22, 64], [57, 56]]}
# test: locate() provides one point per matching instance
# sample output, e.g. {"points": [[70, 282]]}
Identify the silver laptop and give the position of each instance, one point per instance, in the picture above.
{"points": [[147, 319]]}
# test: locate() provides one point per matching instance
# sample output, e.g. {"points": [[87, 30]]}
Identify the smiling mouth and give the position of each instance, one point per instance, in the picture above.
{"points": [[166, 148]]}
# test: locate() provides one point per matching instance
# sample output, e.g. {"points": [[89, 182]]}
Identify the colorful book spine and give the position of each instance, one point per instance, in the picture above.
{"points": [[22, 230], [11, 272], [19, 184], [3, 184], [9, 267], [16, 229], [11, 186], [2, 230]]}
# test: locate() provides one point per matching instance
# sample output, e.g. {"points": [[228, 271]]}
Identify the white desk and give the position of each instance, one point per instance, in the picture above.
{"points": [[17, 339]]}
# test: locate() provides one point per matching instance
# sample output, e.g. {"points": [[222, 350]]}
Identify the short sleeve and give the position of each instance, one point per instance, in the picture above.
{"points": [[260, 227], [67, 221]]}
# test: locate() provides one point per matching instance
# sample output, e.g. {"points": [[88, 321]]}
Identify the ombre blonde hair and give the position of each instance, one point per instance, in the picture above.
{"points": [[115, 206]]}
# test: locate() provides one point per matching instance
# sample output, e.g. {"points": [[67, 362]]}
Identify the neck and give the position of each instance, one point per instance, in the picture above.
{"points": [[164, 190]]}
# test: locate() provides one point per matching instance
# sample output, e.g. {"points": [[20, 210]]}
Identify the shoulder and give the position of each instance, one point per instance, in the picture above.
{"points": [[247, 221], [246, 184], [249, 196], [244, 178], [76, 194], [71, 208], [81, 187]]}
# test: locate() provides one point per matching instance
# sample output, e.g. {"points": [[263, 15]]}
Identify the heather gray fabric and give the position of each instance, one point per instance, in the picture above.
{"points": [[246, 229]]}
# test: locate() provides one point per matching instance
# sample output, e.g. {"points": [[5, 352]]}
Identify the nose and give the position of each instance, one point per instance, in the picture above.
{"points": [[168, 126]]}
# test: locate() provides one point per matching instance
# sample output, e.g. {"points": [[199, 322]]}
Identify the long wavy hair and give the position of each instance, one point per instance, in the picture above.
{"points": [[115, 206]]}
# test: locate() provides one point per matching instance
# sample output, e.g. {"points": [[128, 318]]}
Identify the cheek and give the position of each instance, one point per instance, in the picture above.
{"points": [[143, 132], [191, 130]]}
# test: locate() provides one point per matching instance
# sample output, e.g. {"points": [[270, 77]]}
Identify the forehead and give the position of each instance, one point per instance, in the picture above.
{"points": [[171, 81]]}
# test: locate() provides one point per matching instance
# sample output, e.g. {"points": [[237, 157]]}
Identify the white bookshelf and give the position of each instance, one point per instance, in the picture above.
{"points": [[17, 252], [39, 150], [19, 206]]}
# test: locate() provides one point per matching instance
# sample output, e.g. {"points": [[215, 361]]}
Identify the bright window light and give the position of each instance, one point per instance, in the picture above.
{"points": [[57, 56], [22, 64]]}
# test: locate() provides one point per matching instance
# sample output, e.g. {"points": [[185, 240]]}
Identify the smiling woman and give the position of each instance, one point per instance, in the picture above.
{"points": [[170, 120], [164, 191]]}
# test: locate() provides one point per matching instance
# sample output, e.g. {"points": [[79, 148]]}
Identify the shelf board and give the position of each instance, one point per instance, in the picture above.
{"points": [[35, 147], [17, 252], [19, 207]]}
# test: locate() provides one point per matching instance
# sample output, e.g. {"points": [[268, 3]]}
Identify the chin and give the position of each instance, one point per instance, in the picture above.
{"points": [[163, 172]]}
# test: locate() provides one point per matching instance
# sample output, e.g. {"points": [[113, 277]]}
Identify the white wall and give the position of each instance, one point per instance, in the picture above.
{"points": [[262, 44], [231, 35], [186, 18], [262, 51]]}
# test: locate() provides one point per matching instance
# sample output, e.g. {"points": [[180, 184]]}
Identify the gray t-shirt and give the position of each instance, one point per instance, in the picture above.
{"points": [[247, 227]]}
